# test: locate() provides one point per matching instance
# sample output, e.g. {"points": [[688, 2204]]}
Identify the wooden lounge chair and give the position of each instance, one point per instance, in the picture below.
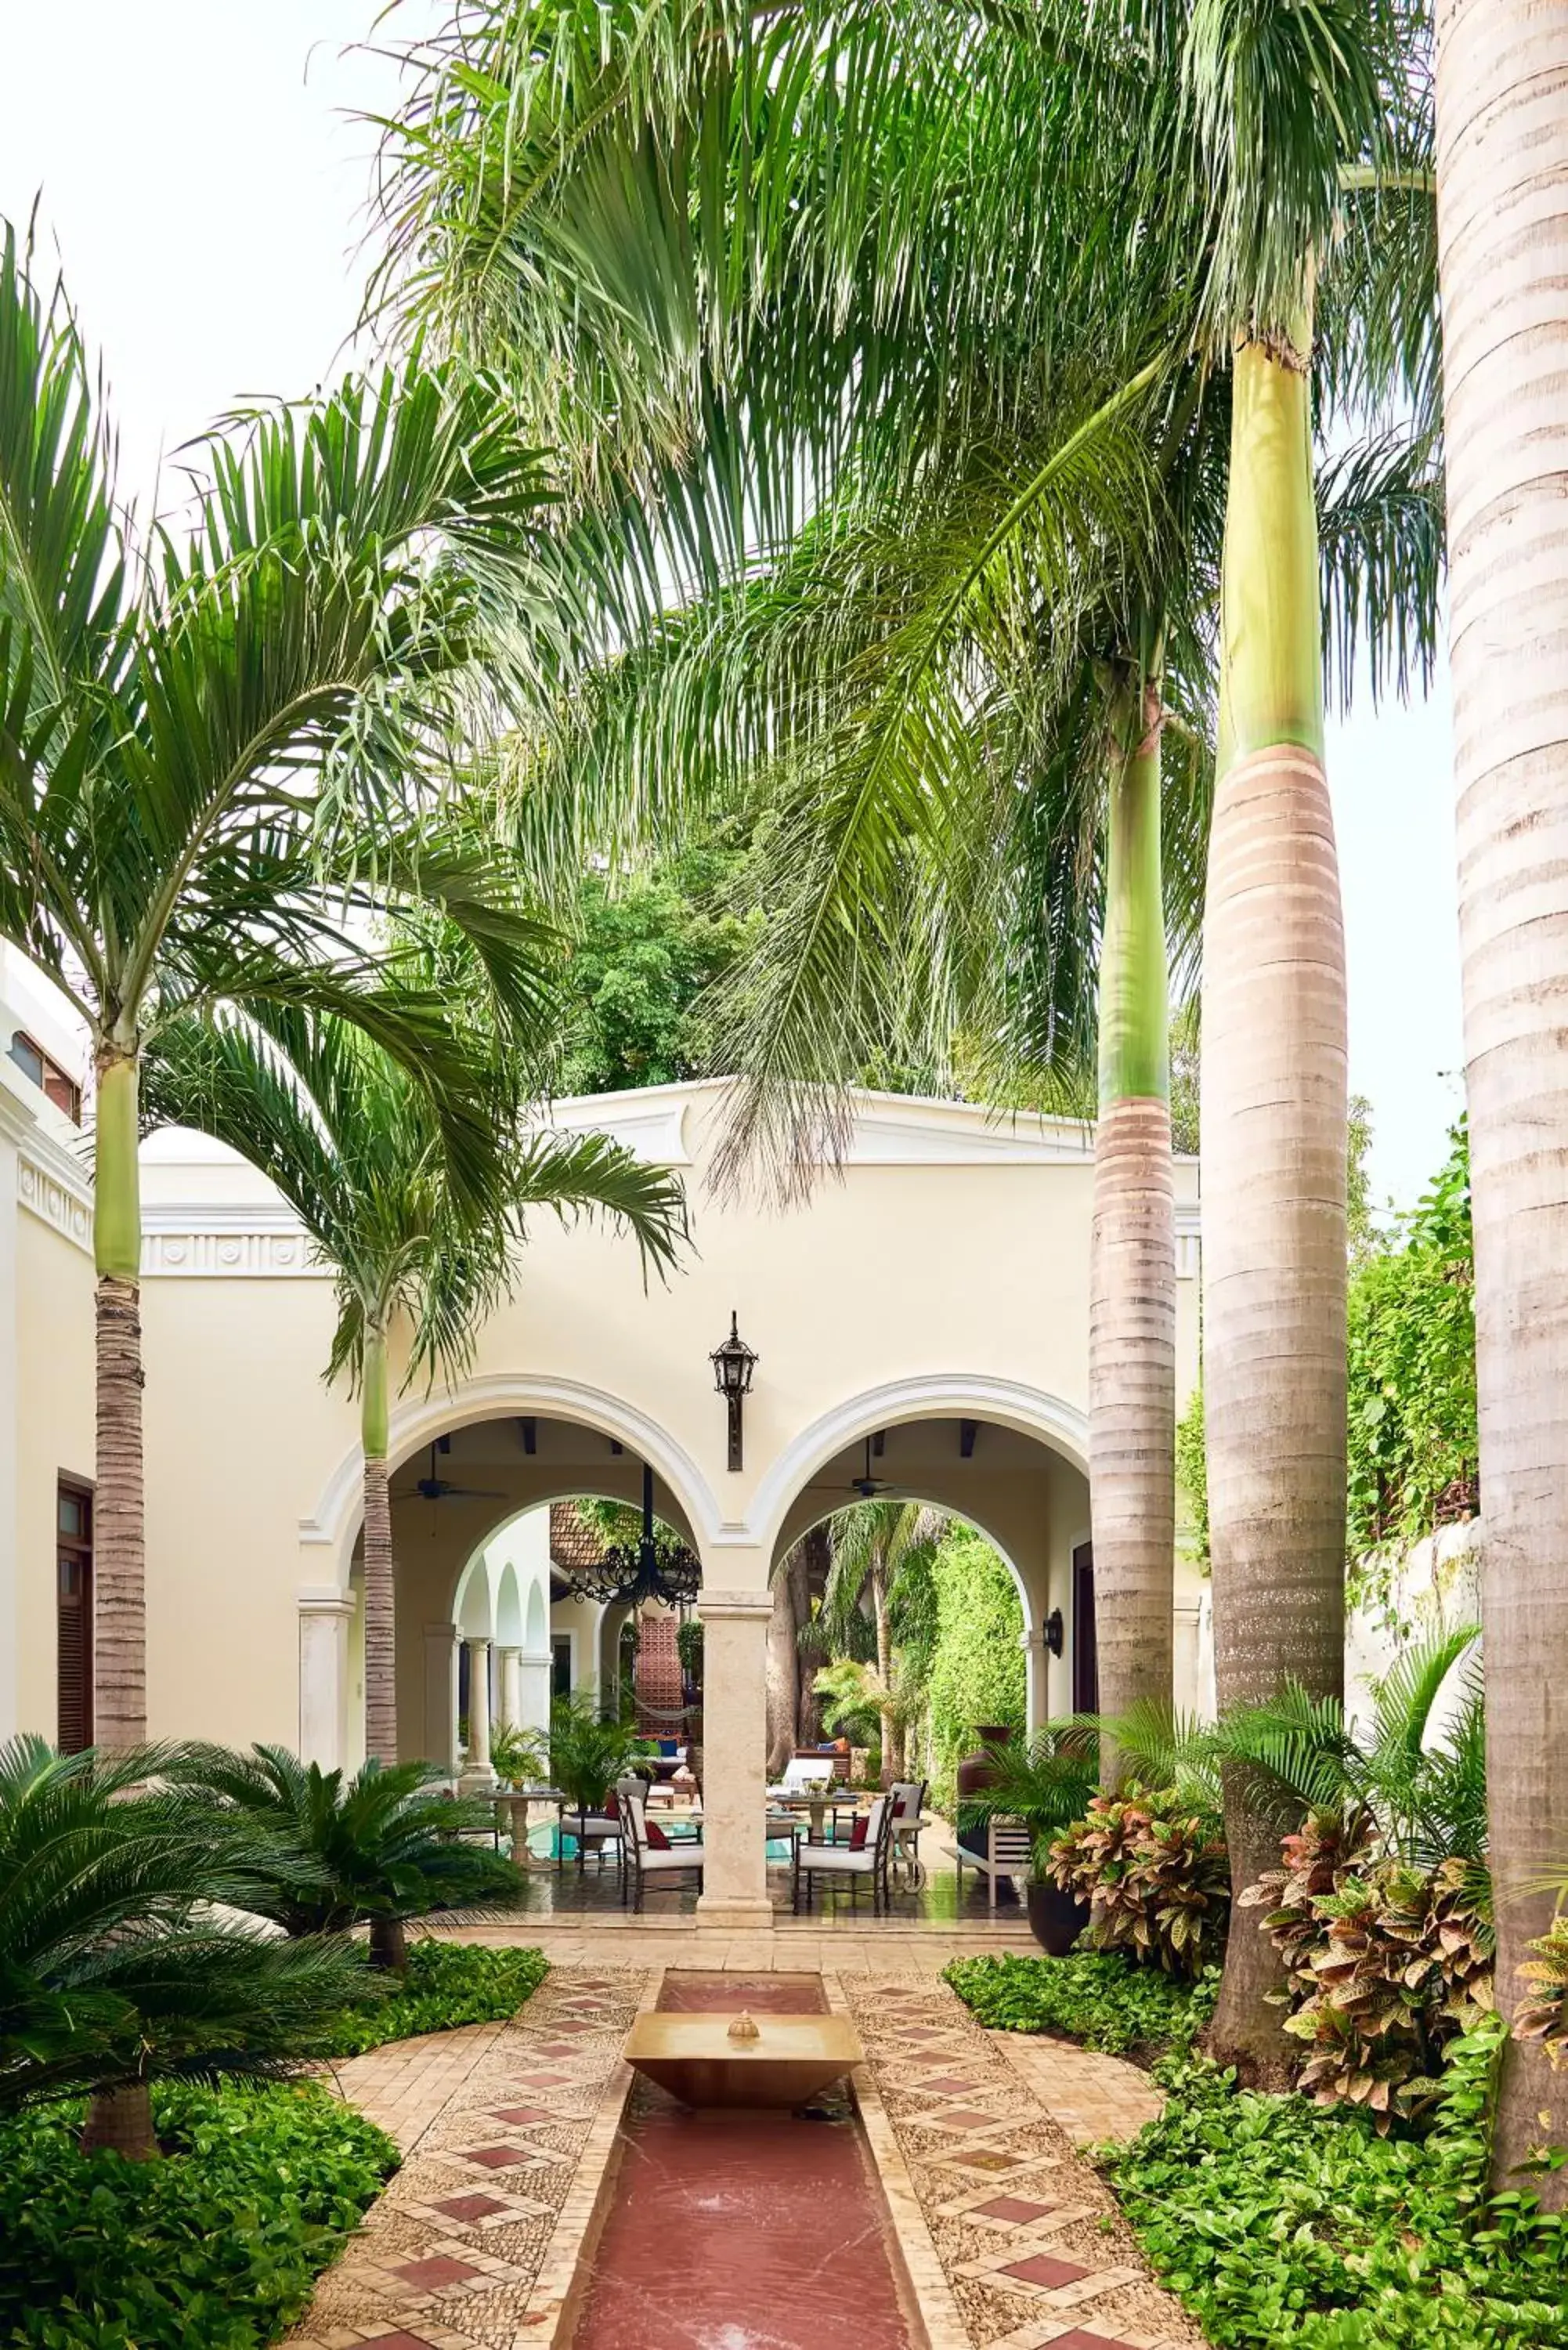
{"points": [[1009, 1852]]}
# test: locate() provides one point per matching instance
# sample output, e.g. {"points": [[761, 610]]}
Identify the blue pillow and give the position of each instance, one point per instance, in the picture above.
{"points": [[669, 1746]]}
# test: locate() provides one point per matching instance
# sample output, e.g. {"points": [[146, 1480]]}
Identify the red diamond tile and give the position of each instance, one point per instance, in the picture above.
{"points": [[1015, 2209], [520, 2116], [395, 2342], [555, 2048], [1079, 2340], [949, 2087], [493, 2157], [969, 2117], [439, 2270], [571, 2024], [543, 2080], [918, 2032], [1043, 2267], [987, 2159], [469, 2206]]}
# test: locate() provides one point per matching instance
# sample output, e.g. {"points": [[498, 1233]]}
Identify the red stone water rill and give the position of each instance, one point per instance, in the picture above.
{"points": [[741, 2230]]}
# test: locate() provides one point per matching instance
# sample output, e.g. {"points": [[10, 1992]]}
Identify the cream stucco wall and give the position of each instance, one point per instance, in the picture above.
{"points": [[940, 1275]]}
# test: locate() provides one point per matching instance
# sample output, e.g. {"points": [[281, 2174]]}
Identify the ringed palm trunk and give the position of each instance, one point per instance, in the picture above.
{"points": [[380, 1595], [1502, 221], [783, 1672], [120, 1526], [1132, 1291], [884, 1664], [1274, 1126]]}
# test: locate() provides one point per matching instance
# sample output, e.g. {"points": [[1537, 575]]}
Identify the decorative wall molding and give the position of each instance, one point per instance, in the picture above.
{"points": [[54, 1189], [227, 1241], [1188, 1241]]}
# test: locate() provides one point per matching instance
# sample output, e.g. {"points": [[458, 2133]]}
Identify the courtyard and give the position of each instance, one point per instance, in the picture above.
{"points": [[784, 1180]]}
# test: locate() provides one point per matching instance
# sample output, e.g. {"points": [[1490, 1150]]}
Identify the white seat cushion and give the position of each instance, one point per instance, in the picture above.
{"points": [[836, 1856], [680, 1855]]}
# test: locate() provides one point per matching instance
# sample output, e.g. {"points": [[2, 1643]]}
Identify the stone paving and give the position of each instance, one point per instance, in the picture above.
{"points": [[1029, 2238], [1011, 2241]]}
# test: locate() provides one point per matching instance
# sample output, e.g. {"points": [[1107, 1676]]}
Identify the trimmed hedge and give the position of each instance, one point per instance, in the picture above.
{"points": [[217, 2247], [446, 1984], [1099, 1999]]}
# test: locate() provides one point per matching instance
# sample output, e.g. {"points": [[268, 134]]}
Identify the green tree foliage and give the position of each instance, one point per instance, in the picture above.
{"points": [[649, 947], [977, 1670], [1413, 1371], [1094, 1997]]}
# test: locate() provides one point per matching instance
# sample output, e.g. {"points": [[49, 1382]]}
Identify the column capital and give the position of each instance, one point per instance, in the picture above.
{"points": [[324, 1599], [715, 1606]]}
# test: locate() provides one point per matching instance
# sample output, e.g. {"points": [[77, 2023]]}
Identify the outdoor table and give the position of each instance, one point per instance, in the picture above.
{"points": [[818, 1803]]}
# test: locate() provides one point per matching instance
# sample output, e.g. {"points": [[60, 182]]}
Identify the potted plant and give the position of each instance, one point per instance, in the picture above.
{"points": [[1046, 1782], [589, 1752]]}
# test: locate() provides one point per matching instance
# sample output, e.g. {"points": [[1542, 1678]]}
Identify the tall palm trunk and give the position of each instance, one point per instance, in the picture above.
{"points": [[1132, 1289], [783, 1670], [1502, 219], [380, 1592], [811, 1563], [119, 1524], [879, 1582], [1274, 1126]]}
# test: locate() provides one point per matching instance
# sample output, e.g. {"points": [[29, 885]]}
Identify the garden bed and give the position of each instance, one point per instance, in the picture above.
{"points": [[446, 1984], [1279, 2223], [1094, 1998], [217, 2247]]}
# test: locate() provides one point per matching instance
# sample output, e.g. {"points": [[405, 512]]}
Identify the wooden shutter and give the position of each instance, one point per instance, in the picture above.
{"points": [[73, 1587], [1085, 1650]]}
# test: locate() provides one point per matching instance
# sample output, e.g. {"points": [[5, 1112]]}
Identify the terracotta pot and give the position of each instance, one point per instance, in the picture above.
{"points": [[1055, 1919], [977, 1771]]}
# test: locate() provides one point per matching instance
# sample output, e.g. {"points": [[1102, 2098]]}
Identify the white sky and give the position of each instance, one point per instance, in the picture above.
{"points": [[203, 184]]}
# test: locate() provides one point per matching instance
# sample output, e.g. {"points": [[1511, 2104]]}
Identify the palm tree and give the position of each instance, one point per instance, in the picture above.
{"points": [[957, 374], [1502, 159], [874, 1545], [385, 1846], [351, 1141], [114, 1971], [1288, 112], [188, 731]]}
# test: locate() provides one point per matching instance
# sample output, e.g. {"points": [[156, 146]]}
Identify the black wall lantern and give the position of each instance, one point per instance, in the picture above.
{"points": [[1055, 1632], [733, 1364]]}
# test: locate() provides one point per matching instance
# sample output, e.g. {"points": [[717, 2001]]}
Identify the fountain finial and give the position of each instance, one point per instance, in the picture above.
{"points": [[743, 2028]]}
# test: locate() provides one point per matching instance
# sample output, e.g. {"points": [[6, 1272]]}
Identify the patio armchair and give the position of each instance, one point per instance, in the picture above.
{"points": [[862, 1862], [908, 1797], [656, 1860]]}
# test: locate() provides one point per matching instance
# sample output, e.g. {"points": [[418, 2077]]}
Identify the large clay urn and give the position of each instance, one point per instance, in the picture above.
{"points": [[977, 1772]]}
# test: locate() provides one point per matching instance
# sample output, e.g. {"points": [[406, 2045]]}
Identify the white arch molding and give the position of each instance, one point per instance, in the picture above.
{"points": [[1061, 1427], [334, 1524]]}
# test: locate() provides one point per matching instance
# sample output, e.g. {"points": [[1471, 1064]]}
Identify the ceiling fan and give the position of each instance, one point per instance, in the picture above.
{"points": [[439, 1489], [868, 1485]]}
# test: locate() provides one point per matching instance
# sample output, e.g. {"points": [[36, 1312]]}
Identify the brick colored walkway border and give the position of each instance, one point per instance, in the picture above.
{"points": [[1035, 2252]]}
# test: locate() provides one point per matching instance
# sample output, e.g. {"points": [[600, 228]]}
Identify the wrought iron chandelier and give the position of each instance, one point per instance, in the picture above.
{"points": [[631, 1574]]}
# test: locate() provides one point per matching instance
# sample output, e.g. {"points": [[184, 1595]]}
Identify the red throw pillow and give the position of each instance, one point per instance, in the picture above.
{"points": [[858, 1832], [898, 1808], [612, 1805], [657, 1840]]}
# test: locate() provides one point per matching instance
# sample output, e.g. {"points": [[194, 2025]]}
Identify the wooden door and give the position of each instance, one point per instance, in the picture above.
{"points": [[1086, 1653], [73, 1586]]}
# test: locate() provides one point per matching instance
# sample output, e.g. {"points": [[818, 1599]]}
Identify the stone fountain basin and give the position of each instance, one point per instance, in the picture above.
{"points": [[792, 2058]]}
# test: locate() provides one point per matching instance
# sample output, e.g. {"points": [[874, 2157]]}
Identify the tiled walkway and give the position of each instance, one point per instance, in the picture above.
{"points": [[1012, 2242], [1029, 2238]]}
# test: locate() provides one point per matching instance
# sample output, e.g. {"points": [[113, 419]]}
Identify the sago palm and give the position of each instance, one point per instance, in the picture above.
{"points": [[354, 1145], [387, 1845], [193, 732], [114, 1971], [1503, 172]]}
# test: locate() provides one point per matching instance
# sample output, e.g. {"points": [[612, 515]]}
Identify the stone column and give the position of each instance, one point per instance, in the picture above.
{"points": [[440, 1696], [1037, 1661], [324, 1619], [535, 1674], [734, 1776], [477, 1774], [509, 1690]]}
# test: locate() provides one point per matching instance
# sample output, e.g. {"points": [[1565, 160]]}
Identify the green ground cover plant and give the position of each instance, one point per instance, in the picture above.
{"points": [[445, 1984], [215, 2248], [1099, 1999], [1279, 2223]]}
